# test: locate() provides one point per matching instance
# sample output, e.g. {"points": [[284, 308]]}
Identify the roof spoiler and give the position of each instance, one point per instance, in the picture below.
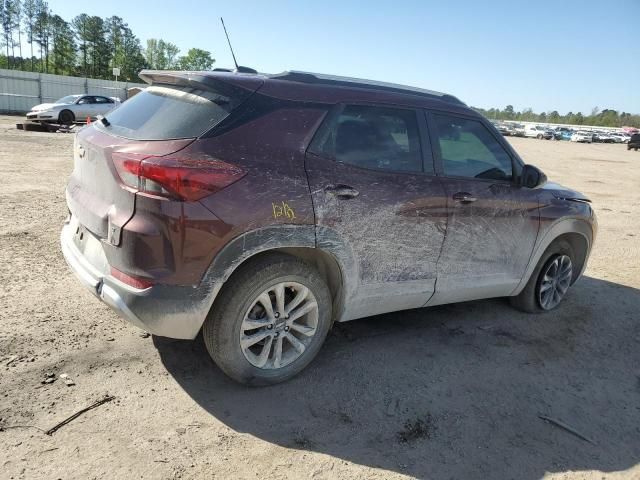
{"points": [[219, 82]]}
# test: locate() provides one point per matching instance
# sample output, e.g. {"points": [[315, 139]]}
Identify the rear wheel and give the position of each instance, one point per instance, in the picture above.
{"points": [[540, 136], [549, 282], [66, 117], [269, 321]]}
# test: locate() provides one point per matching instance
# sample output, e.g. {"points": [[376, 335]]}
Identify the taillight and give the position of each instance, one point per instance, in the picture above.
{"points": [[178, 177]]}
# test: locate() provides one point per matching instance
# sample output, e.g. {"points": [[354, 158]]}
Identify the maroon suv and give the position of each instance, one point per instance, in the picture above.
{"points": [[260, 209]]}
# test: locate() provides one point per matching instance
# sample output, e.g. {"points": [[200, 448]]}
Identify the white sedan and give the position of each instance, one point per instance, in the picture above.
{"points": [[585, 137], [73, 108]]}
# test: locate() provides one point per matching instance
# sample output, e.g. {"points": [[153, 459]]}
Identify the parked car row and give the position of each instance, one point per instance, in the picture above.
{"points": [[561, 133], [539, 132], [609, 137], [582, 137], [510, 129], [599, 137]]}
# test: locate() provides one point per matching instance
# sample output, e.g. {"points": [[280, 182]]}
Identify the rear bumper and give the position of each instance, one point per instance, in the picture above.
{"points": [[165, 310]]}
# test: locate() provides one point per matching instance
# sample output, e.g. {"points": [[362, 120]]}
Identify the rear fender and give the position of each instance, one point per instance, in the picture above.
{"points": [[241, 248], [249, 244]]}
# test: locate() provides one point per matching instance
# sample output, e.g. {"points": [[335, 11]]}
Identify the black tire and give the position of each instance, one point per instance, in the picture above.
{"points": [[222, 328], [527, 299], [540, 136], [66, 117]]}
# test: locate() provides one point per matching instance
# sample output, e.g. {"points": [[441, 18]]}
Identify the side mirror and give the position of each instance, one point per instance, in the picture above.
{"points": [[532, 177]]}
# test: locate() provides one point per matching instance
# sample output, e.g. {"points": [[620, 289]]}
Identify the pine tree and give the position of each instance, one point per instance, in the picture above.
{"points": [[42, 32], [98, 47], [132, 58], [64, 48], [29, 15], [17, 25], [79, 24], [6, 23]]}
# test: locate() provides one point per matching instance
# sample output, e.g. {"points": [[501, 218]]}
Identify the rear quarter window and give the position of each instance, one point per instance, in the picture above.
{"points": [[170, 112]]}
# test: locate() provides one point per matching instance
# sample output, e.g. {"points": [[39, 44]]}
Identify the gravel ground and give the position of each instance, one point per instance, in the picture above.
{"points": [[449, 392]]}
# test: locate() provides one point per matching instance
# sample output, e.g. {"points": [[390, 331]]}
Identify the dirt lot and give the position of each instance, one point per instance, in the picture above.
{"points": [[449, 392]]}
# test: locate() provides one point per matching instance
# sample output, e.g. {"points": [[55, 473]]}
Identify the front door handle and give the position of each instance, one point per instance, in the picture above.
{"points": [[464, 197], [343, 192]]}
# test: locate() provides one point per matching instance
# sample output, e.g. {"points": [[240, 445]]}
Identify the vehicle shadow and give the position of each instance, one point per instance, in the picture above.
{"points": [[454, 391]]}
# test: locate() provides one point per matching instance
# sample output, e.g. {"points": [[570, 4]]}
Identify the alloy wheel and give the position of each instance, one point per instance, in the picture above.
{"points": [[556, 279], [279, 325]]}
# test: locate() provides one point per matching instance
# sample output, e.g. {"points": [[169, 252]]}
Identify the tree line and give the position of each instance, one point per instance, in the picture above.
{"points": [[597, 117], [86, 46]]}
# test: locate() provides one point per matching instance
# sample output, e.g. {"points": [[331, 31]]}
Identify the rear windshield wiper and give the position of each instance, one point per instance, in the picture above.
{"points": [[103, 120]]}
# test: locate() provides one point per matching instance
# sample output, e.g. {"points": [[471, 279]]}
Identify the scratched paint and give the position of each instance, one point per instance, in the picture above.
{"points": [[395, 226]]}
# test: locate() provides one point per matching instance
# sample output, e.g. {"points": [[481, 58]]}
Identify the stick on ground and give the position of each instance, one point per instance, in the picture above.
{"points": [[564, 426], [77, 414]]}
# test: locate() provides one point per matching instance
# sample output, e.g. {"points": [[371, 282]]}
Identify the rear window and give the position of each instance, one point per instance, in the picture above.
{"points": [[163, 112]]}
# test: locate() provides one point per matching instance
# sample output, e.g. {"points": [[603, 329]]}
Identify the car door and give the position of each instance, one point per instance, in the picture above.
{"points": [[84, 107], [492, 221], [102, 106], [378, 205]]}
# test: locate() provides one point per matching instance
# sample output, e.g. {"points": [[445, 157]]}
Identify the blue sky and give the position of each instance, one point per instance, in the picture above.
{"points": [[568, 55]]}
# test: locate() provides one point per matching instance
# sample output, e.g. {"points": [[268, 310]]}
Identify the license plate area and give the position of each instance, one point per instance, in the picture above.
{"points": [[88, 245], [80, 234]]}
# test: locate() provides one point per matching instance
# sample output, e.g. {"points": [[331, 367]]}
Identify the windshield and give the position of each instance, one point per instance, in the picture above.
{"points": [[68, 99]]}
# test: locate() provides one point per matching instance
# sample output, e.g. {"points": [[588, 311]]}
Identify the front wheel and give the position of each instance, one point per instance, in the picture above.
{"points": [[540, 136], [549, 282], [269, 321]]}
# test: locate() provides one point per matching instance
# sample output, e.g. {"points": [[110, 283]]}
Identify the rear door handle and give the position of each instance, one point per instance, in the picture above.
{"points": [[343, 192], [464, 197]]}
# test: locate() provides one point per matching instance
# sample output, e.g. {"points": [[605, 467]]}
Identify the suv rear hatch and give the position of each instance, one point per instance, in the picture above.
{"points": [[164, 118]]}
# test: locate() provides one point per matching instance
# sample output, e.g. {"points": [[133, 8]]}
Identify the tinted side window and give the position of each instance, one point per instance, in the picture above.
{"points": [[103, 100], [469, 150], [85, 100], [371, 137]]}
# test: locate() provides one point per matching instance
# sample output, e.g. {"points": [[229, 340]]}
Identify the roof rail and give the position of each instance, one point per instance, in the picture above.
{"points": [[322, 79]]}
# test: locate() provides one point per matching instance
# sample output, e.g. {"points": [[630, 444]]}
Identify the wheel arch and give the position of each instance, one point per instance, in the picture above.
{"points": [[580, 247], [575, 231], [71, 112], [295, 240]]}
